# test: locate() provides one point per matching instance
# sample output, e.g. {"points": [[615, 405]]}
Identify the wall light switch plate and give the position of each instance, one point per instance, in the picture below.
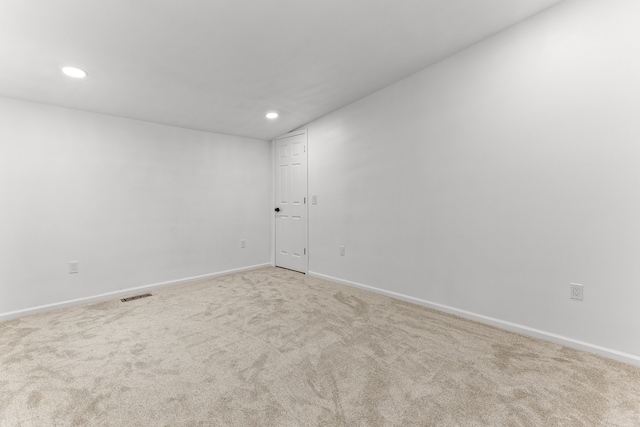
{"points": [[74, 267], [314, 199], [341, 250]]}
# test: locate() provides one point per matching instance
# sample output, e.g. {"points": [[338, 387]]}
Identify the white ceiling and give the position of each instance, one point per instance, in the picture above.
{"points": [[220, 65]]}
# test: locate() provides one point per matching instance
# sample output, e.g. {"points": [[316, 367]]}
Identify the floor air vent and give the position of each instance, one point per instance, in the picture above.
{"points": [[135, 297]]}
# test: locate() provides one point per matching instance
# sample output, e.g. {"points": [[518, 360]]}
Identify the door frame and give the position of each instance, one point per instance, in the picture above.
{"points": [[273, 195]]}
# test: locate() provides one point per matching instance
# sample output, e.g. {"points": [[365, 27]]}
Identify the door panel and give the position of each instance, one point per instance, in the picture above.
{"points": [[284, 183], [291, 194]]}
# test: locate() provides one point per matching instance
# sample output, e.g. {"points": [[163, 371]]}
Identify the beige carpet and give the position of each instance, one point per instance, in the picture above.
{"points": [[276, 348]]}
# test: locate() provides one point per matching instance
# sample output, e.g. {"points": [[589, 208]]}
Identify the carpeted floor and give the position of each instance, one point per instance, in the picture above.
{"points": [[272, 347]]}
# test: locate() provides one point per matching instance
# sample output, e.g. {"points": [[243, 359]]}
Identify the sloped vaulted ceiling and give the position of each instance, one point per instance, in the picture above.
{"points": [[220, 65]]}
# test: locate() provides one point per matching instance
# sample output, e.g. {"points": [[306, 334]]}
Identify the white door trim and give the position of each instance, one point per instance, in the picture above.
{"points": [[273, 195]]}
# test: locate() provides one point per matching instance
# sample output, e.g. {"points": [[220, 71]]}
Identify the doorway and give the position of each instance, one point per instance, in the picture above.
{"points": [[290, 153]]}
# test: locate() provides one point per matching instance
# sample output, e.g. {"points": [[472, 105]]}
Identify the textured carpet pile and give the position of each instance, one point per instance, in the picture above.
{"points": [[272, 347]]}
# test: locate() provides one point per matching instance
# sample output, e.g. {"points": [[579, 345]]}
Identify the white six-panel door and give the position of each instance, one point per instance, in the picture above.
{"points": [[291, 201]]}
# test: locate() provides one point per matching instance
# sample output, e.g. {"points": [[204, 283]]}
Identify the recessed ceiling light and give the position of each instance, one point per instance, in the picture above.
{"points": [[272, 115], [74, 72]]}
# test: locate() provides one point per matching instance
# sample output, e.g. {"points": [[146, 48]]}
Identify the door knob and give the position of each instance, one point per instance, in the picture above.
{"points": [[277, 209]]}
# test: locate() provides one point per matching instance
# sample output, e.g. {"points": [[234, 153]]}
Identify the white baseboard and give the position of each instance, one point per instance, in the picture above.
{"points": [[620, 356], [117, 294]]}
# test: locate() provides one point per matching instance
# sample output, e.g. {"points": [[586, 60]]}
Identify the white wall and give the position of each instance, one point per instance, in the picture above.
{"points": [[490, 181], [135, 203]]}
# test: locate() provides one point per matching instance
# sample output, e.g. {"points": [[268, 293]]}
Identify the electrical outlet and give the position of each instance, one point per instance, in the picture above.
{"points": [[341, 250], [576, 291], [243, 244], [74, 267]]}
